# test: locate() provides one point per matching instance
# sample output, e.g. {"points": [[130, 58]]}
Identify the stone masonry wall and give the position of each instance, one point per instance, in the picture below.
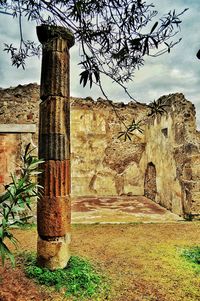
{"points": [[173, 146], [162, 163], [102, 164], [18, 106]]}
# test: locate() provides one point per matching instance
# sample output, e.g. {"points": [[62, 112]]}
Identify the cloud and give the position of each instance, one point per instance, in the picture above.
{"points": [[9, 34], [178, 71]]}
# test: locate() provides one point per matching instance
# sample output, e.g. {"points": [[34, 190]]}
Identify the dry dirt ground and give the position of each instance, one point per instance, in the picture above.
{"points": [[142, 261]]}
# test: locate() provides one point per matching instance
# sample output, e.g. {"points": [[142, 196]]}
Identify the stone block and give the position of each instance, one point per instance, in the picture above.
{"points": [[53, 254], [17, 128], [54, 146], [53, 216], [55, 178], [55, 73], [54, 116], [56, 34]]}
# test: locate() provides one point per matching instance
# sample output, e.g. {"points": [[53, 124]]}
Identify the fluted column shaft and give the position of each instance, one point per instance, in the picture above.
{"points": [[53, 212]]}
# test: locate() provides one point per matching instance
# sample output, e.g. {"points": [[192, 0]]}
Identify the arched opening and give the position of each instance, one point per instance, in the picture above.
{"points": [[150, 188]]}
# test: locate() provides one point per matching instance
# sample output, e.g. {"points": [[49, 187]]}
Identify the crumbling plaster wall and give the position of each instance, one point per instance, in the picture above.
{"points": [[101, 163], [18, 106], [172, 145]]}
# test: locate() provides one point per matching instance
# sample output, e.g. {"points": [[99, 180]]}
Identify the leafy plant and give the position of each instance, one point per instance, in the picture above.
{"points": [[157, 107], [130, 129], [17, 196], [79, 278]]}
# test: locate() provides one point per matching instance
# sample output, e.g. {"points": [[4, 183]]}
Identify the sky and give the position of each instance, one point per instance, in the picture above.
{"points": [[178, 71]]}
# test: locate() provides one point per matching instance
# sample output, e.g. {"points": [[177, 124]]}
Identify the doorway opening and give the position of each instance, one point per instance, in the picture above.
{"points": [[150, 188]]}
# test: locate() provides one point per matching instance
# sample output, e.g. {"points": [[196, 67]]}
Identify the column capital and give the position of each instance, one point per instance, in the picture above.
{"points": [[47, 33]]}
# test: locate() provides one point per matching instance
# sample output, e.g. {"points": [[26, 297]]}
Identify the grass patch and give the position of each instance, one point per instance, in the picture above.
{"points": [[80, 279], [192, 255], [26, 226]]}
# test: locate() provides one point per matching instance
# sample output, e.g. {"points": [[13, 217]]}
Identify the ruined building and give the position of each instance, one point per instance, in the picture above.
{"points": [[162, 163]]}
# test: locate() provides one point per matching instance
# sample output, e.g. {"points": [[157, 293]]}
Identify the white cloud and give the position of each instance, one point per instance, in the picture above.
{"points": [[178, 71]]}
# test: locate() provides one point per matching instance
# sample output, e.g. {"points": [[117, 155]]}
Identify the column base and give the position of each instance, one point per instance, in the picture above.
{"points": [[53, 253]]}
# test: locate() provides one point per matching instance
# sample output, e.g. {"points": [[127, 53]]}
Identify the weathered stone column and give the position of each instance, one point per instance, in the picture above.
{"points": [[53, 212]]}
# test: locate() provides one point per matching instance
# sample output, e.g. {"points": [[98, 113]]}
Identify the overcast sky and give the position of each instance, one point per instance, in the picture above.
{"points": [[178, 71]]}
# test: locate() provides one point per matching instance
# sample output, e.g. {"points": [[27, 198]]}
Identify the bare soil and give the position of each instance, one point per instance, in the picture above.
{"points": [[142, 261]]}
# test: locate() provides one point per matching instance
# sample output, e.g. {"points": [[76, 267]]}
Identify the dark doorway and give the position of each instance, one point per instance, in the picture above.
{"points": [[150, 188]]}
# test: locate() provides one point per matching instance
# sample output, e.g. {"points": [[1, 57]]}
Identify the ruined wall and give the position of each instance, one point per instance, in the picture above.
{"points": [[18, 117], [163, 163], [172, 146], [20, 105], [102, 164]]}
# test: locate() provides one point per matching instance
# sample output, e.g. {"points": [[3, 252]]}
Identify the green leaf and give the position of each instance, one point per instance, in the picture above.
{"points": [[21, 182], [27, 149], [97, 76], [155, 42], [2, 252], [34, 173], [84, 77], [90, 79], [121, 134], [5, 252], [33, 165], [14, 180], [154, 27], [1, 233]]}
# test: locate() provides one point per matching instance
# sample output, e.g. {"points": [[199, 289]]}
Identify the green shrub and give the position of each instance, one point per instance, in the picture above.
{"points": [[192, 254], [18, 195], [79, 278]]}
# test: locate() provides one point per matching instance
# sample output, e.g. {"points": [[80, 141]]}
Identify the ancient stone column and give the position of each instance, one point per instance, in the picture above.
{"points": [[53, 211]]}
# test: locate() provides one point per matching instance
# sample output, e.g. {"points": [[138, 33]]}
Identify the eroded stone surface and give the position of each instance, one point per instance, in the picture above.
{"points": [[55, 60], [54, 216], [53, 254], [57, 180]]}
